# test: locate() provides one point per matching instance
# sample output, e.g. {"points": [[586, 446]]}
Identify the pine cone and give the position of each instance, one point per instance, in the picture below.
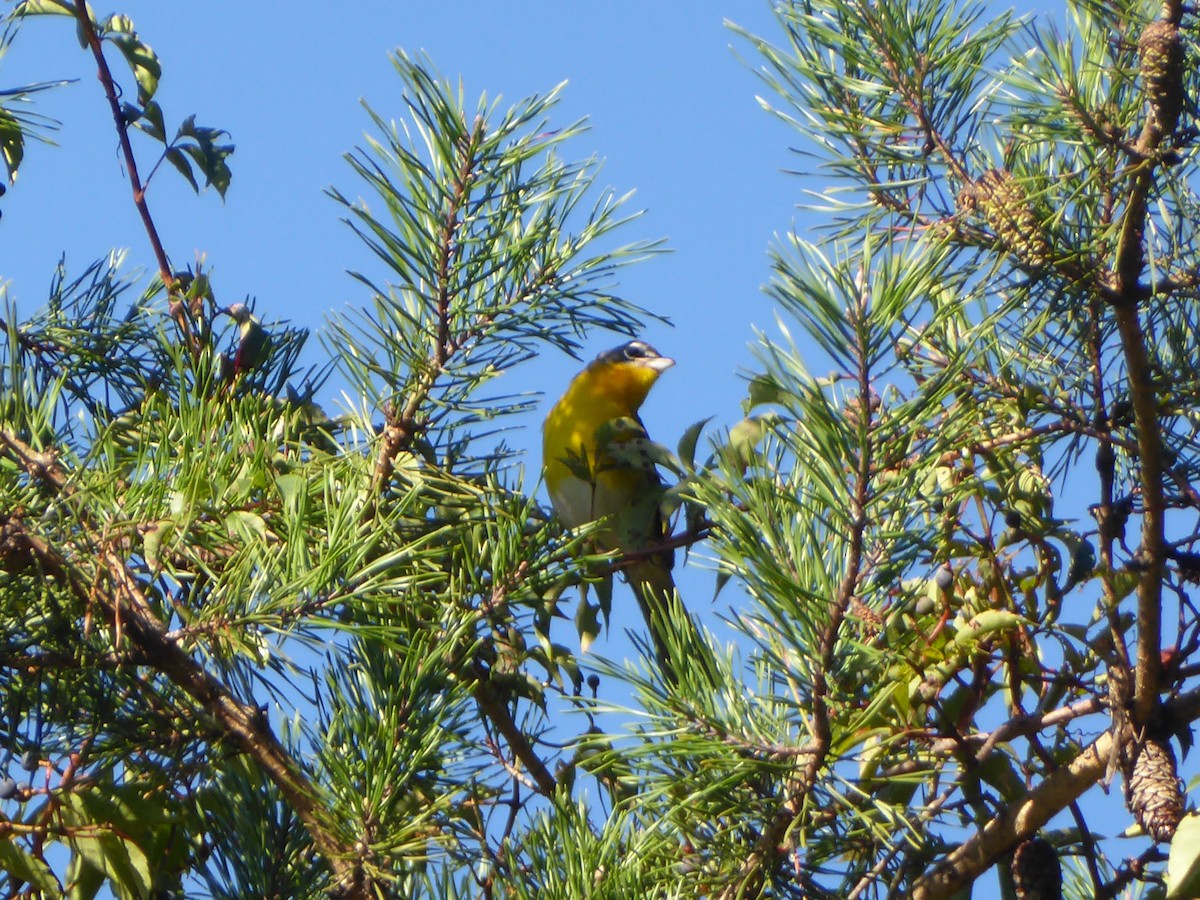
{"points": [[1152, 788], [1036, 872], [1160, 51], [1003, 204]]}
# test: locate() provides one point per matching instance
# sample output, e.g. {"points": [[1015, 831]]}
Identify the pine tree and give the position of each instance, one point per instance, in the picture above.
{"points": [[253, 650]]}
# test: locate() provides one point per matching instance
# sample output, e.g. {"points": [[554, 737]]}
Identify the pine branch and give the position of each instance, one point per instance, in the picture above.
{"points": [[1022, 818], [496, 709], [403, 424], [1159, 78], [132, 617], [771, 847]]}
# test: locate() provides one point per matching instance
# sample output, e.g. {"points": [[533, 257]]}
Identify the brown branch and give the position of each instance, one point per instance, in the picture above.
{"points": [[1132, 870], [49, 813], [496, 709], [1019, 726], [1019, 821], [104, 74], [1128, 265], [1023, 817], [1153, 542], [1069, 423]]}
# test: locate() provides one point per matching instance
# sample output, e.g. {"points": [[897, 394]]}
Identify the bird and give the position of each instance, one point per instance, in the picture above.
{"points": [[254, 343], [598, 465]]}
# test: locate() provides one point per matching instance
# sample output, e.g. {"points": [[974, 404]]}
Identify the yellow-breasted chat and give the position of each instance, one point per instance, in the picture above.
{"points": [[599, 466]]}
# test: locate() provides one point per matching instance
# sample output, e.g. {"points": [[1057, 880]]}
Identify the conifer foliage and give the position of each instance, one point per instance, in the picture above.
{"points": [[250, 648]]}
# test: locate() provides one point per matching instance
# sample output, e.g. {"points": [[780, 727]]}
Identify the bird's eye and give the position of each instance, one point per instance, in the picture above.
{"points": [[637, 350]]}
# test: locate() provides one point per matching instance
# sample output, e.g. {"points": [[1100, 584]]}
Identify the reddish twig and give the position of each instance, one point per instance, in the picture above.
{"points": [[104, 74]]}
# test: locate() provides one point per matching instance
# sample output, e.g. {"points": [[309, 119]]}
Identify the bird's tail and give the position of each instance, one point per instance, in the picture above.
{"points": [[675, 638]]}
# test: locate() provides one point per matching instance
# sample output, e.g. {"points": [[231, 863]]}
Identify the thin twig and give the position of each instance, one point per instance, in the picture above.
{"points": [[104, 74]]}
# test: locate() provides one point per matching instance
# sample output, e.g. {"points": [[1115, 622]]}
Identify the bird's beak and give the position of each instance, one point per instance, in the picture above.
{"points": [[660, 363]]}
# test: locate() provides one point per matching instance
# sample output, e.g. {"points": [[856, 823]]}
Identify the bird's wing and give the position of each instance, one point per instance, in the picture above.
{"points": [[627, 480]]}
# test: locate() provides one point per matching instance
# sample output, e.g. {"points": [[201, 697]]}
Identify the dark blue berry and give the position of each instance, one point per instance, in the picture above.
{"points": [[944, 579]]}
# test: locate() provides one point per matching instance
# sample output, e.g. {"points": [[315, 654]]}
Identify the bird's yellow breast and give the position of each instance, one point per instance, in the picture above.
{"points": [[600, 393]]}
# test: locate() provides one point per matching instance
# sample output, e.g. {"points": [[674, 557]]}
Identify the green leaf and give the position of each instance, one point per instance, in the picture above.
{"points": [[687, 443], [121, 861], [152, 541], [986, 622], [44, 8], [208, 155], [246, 525], [1083, 562], [1183, 865], [604, 594], [148, 120], [20, 865], [105, 814], [746, 435], [723, 578], [84, 879], [291, 489], [587, 623], [764, 391], [118, 24], [143, 62], [999, 771], [12, 142], [179, 160]]}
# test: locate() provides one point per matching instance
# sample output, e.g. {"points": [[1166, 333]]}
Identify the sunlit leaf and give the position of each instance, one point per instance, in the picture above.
{"points": [[1183, 865], [12, 143]]}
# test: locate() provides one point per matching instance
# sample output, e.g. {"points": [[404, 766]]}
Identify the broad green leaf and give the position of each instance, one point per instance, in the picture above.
{"points": [[687, 443], [179, 160], [245, 524], [723, 578], [45, 8], [142, 61], [745, 436], [291, 489], [764, 391], [604, 594], [121, 861], [19, 864], [208, 155], [148, 119], [587, 623], [118, 24], [243, 484], [986, 622], [85, 880], [1183, 865], [12, 143], [152, 541]]}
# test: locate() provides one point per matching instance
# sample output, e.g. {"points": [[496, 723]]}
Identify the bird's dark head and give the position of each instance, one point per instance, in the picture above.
{"points": [[635, 353], [625, 374]]}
